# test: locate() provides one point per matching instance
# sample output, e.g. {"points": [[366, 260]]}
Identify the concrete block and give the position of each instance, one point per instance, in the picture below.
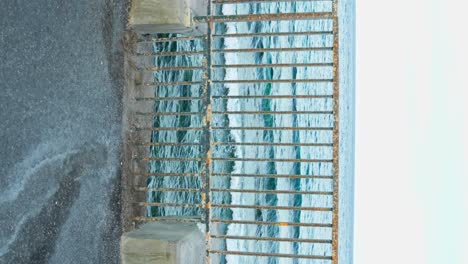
{"points": [[165, 16], [163, 243]]}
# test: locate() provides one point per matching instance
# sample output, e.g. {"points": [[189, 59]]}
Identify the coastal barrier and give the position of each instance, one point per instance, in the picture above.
{"points": [[188, 156]]}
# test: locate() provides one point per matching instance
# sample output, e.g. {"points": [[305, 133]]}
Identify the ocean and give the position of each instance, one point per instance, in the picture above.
{"points": [[231, 158]]}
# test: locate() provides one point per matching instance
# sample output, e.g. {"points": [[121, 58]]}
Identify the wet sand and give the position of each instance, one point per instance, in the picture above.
{"points": [[60, 131]]}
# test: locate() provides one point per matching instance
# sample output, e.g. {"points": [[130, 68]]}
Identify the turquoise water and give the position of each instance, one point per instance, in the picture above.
{"points": [[265, 120]]}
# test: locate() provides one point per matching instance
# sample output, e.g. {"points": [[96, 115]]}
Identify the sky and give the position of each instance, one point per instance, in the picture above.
{"points": [[411, 132]]}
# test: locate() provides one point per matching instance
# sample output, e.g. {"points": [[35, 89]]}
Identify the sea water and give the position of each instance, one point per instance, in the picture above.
{"points": [[346, 71]]}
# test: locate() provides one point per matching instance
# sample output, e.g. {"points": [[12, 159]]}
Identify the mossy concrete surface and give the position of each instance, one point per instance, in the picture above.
{"points": [[165, 16], [163, 243]]}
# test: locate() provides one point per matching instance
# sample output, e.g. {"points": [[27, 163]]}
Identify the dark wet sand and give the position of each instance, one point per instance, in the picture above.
{"points": [[60, 130]]}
